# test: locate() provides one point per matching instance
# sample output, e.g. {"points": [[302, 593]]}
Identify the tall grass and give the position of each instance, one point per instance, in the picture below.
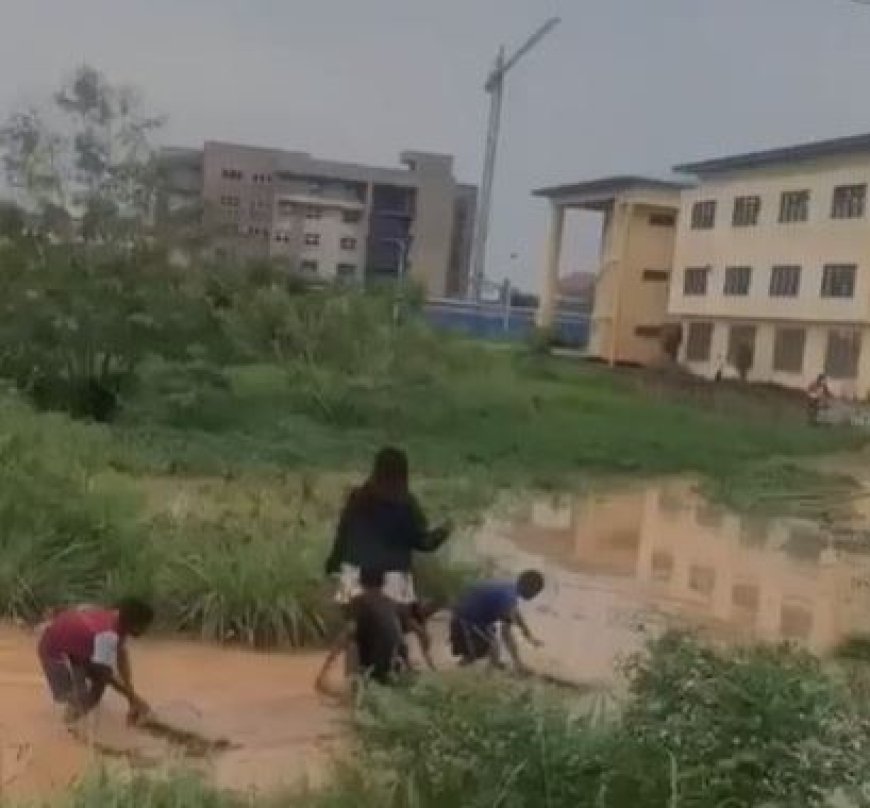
{"points": [[64, 538], [174, 790]]}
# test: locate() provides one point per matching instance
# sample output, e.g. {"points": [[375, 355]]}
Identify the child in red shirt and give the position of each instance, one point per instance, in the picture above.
{"points": [[84, 650]]}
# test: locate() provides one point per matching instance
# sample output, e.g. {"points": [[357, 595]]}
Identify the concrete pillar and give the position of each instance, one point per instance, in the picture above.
{"points": [[547, 305], [622, 219]]}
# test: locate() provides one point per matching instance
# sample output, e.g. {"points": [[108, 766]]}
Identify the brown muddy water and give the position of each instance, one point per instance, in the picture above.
{"points": [[281, 733], [621, 566]]}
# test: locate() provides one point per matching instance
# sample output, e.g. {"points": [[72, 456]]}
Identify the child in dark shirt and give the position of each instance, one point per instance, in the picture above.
{"points": [[374, 627]]}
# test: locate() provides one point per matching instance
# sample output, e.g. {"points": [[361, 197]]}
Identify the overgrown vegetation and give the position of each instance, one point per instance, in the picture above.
{"points": [[275, 394]]}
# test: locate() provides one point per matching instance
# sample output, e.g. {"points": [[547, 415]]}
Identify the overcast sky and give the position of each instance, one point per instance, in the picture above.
{"points": [[622, 85]]}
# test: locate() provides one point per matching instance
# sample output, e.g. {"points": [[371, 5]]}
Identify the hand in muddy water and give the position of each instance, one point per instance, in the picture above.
{"points": [[139, 711]]}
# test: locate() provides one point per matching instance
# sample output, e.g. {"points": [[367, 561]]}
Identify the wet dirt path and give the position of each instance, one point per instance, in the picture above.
{"points": [[264, 704]]}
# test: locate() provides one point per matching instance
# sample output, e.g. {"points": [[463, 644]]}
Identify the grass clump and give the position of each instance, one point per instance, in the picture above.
{"points": [[175, 790], [65, 537]]}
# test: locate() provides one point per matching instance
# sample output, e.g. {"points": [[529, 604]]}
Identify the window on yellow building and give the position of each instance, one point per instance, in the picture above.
{"points": [[794, 206], [849, 202], [785, 281], [737, 280], [746, 210], [838, 280], [699, 336], [739, 336], [842, 353], [695, 280], [662, 220], [788, 350], [704, 214]]}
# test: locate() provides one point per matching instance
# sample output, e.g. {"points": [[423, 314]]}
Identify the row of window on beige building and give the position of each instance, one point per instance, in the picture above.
{"points": [[767, 258]]}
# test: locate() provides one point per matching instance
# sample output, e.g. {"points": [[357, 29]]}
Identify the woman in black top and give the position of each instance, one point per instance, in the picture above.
{"points": [[381, 526]]}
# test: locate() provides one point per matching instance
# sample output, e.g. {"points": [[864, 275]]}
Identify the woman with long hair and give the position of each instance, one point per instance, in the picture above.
{"points": [[381, 527]]}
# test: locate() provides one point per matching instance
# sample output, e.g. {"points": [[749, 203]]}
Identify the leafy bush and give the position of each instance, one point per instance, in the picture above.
{"points": [[753, 726], [467, 740], [78, 322]]}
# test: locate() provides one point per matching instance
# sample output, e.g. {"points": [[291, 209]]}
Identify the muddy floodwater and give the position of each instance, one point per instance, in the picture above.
{"points": [[622, 566], [280, 731]]}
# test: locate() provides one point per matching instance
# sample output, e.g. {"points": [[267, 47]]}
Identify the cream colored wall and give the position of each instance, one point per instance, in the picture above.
{"points": [[762, 369], [812, 244], [629, 246], [644, 302]]}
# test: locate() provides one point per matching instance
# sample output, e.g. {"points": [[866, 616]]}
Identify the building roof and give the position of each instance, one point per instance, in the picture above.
{"points": [[758, 159], [610, 186]]}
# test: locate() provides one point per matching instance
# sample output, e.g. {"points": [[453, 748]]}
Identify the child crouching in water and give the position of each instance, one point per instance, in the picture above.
{"points": [[374, 628]]}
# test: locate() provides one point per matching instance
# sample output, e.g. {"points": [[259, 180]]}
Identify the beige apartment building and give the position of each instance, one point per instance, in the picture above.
{"points": [[326, 219], [771, 251]]}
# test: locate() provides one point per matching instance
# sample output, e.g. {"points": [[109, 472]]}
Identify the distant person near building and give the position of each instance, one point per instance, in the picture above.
{"points": [[818, 396]]}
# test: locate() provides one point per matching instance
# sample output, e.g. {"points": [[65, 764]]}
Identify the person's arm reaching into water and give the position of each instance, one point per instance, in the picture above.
{"points": [[510, 642], [516, 619], [123, 683], [519, 620], [110, 655]]}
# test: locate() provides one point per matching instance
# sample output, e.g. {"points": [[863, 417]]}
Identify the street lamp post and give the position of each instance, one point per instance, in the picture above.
{"points": [[401, 245]]}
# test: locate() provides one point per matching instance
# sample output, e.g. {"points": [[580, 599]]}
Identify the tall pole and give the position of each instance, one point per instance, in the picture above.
{"points": [[481, 228], [495, 88]]}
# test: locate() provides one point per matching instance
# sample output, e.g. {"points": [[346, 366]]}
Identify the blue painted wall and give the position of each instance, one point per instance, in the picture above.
{"points": [[488, 322]]}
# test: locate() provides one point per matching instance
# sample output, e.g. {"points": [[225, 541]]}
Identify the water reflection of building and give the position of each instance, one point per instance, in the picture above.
{"points": [[770, 580]]}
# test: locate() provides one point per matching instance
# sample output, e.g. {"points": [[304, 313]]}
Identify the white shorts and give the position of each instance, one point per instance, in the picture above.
{"points": [[398, 586]]}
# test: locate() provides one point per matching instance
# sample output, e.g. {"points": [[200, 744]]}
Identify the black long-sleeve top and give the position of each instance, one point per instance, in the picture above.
{"points": [[378, 533]]}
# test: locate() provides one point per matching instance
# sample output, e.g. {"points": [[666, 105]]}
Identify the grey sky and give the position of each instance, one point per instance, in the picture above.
{"points": [[622, 85]]}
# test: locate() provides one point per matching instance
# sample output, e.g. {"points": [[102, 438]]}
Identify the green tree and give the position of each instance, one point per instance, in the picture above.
{"points": [[77, 324], [86, 158]]}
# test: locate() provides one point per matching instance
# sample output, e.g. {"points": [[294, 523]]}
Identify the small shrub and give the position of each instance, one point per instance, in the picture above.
{"points": [[753, 726], [476, 741]]}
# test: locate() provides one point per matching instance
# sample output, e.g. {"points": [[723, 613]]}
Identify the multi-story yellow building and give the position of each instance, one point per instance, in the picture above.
{"points": [[771, 252]]}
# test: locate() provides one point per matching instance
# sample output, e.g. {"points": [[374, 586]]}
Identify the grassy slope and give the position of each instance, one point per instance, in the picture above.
{"points": [[515, 421], [518, 422], [228, 497]]}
